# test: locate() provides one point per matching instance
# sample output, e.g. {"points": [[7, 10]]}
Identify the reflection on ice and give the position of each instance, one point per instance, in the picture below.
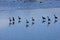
{"points": [[43, 21], [48, 23]]}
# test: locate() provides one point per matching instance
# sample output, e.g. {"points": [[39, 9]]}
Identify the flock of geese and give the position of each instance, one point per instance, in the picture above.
{"points": [[44, 19], [12, 21]]}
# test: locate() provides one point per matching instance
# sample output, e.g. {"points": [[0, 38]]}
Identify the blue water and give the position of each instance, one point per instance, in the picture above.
{"points": [[37, 31]]}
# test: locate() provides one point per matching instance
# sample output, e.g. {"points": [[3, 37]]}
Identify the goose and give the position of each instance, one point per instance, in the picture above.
{"points": [[43, 17], [10, 19], [33, 19], [55, 16], [13, 18], [48, 18], [27, 21], [19, 17]]}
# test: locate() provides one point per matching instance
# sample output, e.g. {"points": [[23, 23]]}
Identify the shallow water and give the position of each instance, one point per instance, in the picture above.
{"points": [[28, 31]]}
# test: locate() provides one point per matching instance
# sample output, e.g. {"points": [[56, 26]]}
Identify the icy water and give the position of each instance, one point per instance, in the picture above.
{"points": [[28, 29]]}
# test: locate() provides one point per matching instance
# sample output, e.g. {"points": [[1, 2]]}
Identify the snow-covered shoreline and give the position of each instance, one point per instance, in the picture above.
{"points": [[36, 5]]}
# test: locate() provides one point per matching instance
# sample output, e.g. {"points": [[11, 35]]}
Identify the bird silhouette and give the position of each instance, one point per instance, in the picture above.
{"points": [[27, 21], [43, 21], [19, 17], [33, 19], [48, 18], [43, 17], [10, 19], [55, 17], [13, 19]]}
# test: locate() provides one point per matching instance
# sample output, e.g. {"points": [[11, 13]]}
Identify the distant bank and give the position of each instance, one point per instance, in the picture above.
{"points": [[11, 5]]}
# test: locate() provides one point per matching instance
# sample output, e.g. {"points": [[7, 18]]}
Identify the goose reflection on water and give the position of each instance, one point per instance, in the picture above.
{"points": [[44, 19], [19, 19], [55, 18], [27, 23], [55, 21], [49, 23], [48, 18], [33, 21], [12, 21]]}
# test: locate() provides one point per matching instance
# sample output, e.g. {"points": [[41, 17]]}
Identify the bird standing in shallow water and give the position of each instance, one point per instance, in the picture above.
{"points": [[10, 19], [33, 19], [48, 18], [55, 17], [13, 19], [19, 17], [43, 17], [27, 21]]}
